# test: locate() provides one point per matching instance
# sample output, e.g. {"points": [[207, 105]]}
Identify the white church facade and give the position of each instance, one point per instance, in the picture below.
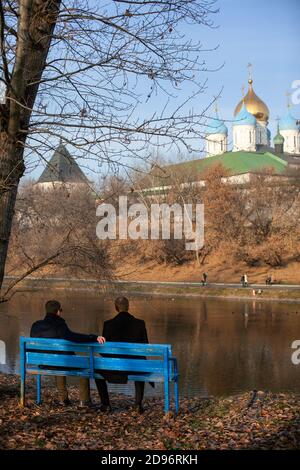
{"points": [[250, 131]]}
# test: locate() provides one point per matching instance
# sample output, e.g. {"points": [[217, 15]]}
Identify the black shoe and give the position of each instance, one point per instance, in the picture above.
{"points": [[138, 408], [86, 404], [65, 402], [104, 408]]}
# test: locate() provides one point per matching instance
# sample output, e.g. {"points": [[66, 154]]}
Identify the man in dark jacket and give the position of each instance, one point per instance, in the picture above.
{"points": [[54, 326], [125, 328]]}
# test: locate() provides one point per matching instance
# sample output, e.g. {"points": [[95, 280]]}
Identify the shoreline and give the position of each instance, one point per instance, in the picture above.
{"points": [[280, 293]]}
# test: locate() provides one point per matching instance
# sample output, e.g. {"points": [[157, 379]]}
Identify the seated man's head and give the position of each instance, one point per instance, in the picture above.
{"points": [[122, 304], [53, 307]]}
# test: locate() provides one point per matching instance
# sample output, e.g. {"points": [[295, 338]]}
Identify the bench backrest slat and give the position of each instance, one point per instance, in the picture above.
{"points": [[65, 354], [135, 365], [83, 362], [58, 360], [130, 349]]}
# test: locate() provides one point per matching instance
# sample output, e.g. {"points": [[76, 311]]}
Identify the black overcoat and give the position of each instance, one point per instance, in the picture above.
{"points": [[54, 326], [124, 328]]}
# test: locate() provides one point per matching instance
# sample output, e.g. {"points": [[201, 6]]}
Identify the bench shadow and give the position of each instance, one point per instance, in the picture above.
{"points": [[9, 391]]}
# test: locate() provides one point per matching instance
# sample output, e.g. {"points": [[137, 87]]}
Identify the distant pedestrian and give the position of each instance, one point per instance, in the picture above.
{"points": [[244, 280], [204, 279]]}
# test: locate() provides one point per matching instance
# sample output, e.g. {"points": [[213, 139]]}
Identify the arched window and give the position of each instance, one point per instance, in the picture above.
{"points": [[250, 137]]}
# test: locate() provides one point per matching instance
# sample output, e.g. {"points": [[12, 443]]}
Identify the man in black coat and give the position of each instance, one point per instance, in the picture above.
{"points": [[54, 326], [125, 328]]}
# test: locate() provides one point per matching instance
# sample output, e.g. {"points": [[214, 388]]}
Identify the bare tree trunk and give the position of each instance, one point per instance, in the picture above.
{"points": [[11, 170], [36, 22], [7, 203]]}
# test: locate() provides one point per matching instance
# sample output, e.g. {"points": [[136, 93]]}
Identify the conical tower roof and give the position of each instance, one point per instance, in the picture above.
{"points": [[62, 167]]}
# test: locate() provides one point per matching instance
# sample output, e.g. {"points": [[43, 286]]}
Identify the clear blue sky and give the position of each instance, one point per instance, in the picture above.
{"points": [[263, 32]]}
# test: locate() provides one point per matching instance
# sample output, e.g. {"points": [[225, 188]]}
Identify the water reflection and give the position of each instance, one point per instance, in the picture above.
{"points": [[222, 346]]}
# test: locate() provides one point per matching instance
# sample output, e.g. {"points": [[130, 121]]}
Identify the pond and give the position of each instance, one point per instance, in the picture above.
{"points": [[223, 346]]}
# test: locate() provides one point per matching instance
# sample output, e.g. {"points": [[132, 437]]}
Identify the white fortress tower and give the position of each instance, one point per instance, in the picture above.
{"points": [[216, 136], [290, 130]]}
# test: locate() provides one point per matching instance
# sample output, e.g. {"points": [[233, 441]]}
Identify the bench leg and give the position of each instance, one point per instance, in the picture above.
{"points": [[22, 373], [176, 392], [23, 391], [38, 389], [167, 396]]}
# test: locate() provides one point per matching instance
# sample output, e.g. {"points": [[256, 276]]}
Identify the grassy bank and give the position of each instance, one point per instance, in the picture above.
{"points": [[280, 293], [254, 420]]}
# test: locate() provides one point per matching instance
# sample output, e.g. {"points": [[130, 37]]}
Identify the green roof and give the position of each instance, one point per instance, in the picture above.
{"points": [[278, 139], [236, 163]]}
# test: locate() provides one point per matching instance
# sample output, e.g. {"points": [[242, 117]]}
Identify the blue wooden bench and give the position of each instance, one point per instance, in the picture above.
{"points": [[42, 356]]}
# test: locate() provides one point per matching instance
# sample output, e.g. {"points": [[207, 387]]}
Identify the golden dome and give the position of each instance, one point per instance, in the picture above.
{"points": [[254, 105]]}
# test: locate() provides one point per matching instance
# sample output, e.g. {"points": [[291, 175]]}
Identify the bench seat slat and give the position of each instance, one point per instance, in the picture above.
{"points": [[150, 377], [73, 373]]}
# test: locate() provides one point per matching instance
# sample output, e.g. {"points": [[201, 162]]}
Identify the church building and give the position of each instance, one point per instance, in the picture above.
{"points": [[250, 152], [250, 131]]}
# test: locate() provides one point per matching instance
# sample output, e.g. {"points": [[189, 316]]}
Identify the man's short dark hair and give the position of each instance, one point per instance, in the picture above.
{"points": [[122, 304], [52, 306]]}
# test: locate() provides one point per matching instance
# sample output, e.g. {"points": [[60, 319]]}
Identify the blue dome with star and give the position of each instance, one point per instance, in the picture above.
{"points": [[288, 123], [216, 126], [244, 118]]}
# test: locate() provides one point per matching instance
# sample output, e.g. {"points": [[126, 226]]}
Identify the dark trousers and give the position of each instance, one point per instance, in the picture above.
{"points": [[103, 392]]}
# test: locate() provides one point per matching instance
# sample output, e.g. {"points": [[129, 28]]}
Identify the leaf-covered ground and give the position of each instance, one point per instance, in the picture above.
{"points": [[254, 420]]}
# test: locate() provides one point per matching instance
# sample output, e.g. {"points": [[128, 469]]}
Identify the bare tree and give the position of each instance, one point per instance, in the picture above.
{"points": [[79, 70], [55, 235]]}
